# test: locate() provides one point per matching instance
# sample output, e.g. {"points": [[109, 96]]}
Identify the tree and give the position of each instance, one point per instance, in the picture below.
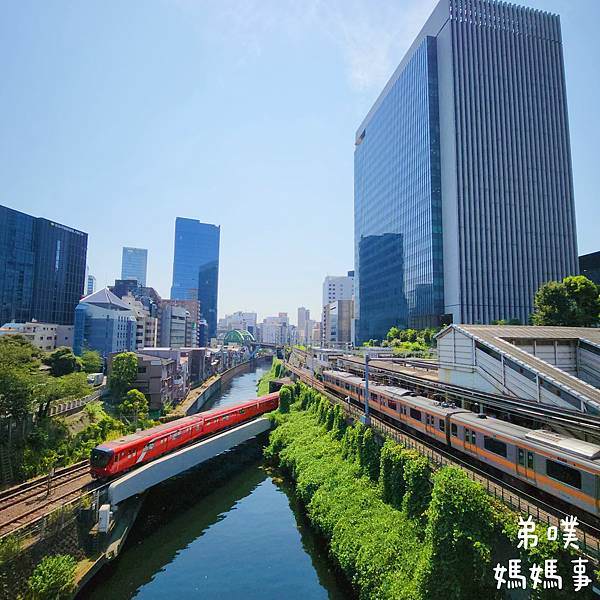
{"points": [[17, 387], [285, 399], [16, 350], [62, 362], [574, 302], [123, 373], [74, 386], [393, 334], [53, 578], [134, 404], [91, 361]]}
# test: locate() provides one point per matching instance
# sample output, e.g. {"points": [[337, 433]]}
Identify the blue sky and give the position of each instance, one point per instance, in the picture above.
{"points": [[116, 117]]}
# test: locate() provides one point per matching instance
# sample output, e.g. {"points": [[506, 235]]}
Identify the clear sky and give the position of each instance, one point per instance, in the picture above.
{"points": [[116, 117]]}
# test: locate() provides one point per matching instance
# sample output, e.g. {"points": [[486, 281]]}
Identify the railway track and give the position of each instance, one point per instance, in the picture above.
{"points": [[536, 411], [518, 499], [30, 500]]}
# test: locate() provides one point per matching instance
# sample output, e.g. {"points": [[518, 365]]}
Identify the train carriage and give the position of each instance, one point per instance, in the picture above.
{"points": [[566, 468], [128, 452]]}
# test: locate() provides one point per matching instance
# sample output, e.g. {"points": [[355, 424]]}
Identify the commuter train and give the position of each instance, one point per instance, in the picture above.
{"points": [[566, 468], [131, 451]]}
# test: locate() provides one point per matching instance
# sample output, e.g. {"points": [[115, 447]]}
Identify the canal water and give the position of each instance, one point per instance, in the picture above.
{"points": [[229, 530]]}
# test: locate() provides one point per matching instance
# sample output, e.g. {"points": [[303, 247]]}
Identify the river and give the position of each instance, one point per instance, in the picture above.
{"points": [[224, 531]]}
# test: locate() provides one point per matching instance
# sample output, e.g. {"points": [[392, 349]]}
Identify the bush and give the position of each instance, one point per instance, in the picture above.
{"points": [[285, 399], [53, 578], [123, 373]]}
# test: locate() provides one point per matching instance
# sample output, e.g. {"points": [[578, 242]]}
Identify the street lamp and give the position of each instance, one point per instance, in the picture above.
{"points": [[366, 419]]}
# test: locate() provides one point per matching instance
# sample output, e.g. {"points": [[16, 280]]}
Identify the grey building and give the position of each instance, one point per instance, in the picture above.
{"points": [[463, 181], [134, 264]]}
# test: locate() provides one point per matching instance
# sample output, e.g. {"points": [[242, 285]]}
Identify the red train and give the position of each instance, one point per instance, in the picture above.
{"points": [[119, 456]]}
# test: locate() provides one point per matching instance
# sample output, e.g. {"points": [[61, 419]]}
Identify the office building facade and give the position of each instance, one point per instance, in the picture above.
{"points": [[134, 264], [463, 181], [104, 323], [42, 269], [196, 267], [338, 287]]}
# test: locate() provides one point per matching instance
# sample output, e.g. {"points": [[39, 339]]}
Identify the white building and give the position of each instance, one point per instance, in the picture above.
{"points": [[243, 321], [45, 336], [338, 288], [276, 330], [146, 335]]}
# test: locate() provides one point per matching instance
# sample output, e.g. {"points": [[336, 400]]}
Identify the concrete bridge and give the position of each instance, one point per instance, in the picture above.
{"points": [[142, 479]]}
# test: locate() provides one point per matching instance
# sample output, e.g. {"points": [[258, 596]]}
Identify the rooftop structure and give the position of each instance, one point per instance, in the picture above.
{"points": [[552, 365]]}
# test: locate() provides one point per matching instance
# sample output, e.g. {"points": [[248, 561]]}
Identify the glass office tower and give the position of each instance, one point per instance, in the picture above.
{"points": [[196, 267], [42, 269], [464, 160], [134, 264]]}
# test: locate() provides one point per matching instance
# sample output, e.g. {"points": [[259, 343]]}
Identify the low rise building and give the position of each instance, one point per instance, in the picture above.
{"points": [[104, 323], [45, 336]]}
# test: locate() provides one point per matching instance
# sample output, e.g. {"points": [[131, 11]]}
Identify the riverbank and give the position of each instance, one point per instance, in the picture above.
{"points": [[396, 528]]}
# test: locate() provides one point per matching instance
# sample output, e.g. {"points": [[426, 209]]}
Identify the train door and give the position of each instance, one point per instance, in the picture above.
{"points": [[470, 440], [429, 424], [525, 463]]}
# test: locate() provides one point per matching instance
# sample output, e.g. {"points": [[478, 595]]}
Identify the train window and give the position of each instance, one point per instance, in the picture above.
{"points": [[242, 411], [150, 446], [530, 460], [392, 404], [473, 437], [225, 417], [454, 429], [442, 425], [495, 446], [563, 473], [415, 414], [521, 457], [467, 435]]}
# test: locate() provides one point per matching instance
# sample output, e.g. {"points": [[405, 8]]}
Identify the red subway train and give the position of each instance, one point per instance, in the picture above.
{"points": [[131, 451]]}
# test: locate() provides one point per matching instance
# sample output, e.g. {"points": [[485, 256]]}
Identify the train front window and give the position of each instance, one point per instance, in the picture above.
{"points": [[100, 458]]}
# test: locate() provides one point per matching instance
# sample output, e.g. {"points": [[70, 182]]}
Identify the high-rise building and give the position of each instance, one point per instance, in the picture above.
{"points": [[304, 333], [462, 173], [337, 324], [196, 267], [338, 287], [134, 264], [42, 269], [90, 286], [589, 265]]}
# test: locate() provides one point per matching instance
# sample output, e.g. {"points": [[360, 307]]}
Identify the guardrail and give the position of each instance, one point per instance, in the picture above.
{"points": [[66, 406]]}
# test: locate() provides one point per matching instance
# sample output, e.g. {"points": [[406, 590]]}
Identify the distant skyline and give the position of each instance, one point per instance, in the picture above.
{"points": [[117, 117]]}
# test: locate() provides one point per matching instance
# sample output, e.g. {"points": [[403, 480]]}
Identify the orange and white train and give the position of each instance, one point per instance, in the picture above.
{"points": [[564, 467]]}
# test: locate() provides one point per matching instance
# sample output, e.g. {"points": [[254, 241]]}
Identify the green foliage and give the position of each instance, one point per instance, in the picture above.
{"points": [[285, 398], [391, 477], [62, 362], [10, 548], [273, 373], [91, 361], [53, 578], [458, 540], [417, 479], [17, 350], [123, 373], [134, 405], [17, 391], [574, 302], [368, 454]]}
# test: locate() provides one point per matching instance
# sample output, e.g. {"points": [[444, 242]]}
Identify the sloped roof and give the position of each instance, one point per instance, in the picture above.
{"points": [[106, 299]]}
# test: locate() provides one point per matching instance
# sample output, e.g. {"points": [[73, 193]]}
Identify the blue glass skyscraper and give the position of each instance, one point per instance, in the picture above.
{"points": [[196, 267], [42, 269], [463, 180], [134, 263]]}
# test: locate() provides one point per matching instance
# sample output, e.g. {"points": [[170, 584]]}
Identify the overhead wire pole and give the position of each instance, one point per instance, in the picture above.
{"points": [[366, 419]]}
